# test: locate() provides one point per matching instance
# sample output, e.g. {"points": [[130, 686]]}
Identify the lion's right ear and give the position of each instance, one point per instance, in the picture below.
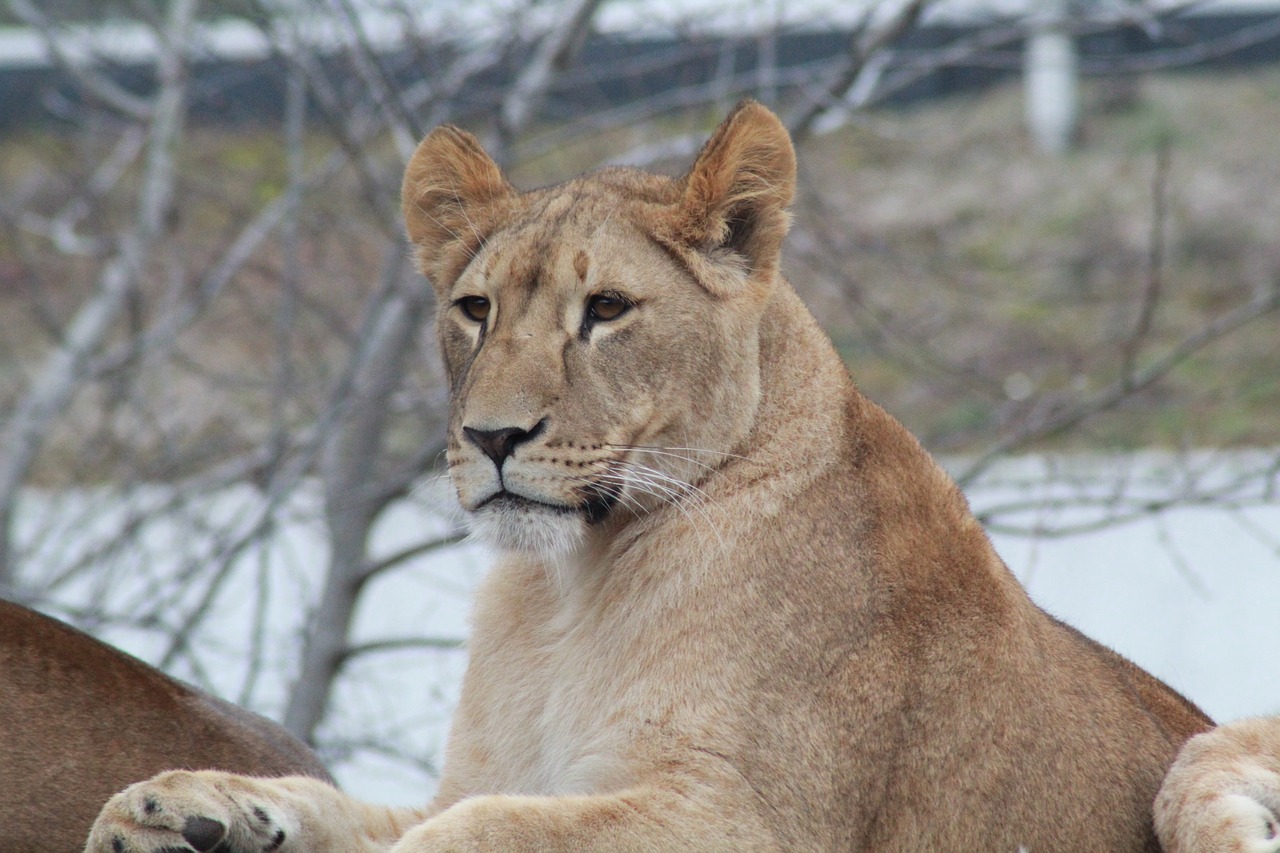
{"points": [[451, 196], [729, 224]]}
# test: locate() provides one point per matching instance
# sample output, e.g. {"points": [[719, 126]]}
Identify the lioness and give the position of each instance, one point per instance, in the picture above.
{"points": [[736, 605], [79, 720]]}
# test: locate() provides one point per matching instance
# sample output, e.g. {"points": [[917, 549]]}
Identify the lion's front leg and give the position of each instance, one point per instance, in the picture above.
{"points": [[182, 811], [630, 821]]}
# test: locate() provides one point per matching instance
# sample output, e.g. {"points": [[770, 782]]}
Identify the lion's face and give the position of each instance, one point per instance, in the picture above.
{"points": [[590, 375], [600, 365]]}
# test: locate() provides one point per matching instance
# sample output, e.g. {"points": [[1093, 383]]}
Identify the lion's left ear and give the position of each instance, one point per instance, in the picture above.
{"points": [[452, 194], [733, 215]]}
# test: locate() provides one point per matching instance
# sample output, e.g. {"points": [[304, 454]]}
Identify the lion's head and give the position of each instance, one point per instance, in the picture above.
{"points": [[600, 336]]}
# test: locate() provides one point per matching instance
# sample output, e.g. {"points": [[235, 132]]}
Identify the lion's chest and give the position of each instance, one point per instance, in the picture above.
{"points": [[544, 710]]}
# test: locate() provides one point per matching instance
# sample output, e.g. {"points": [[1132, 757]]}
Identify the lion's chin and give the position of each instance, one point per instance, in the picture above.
{"points": [[528, 527]]}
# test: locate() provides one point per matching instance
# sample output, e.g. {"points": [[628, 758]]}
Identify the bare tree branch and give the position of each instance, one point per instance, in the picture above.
{"points": [[1155, 265], [1063, 417], [555, 50], [376, 567], [379, 646], [348, 470], [404, 127], [867, 43], [64, 370], [73, 57]]}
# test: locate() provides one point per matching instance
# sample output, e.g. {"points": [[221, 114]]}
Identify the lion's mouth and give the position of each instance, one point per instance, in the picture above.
{"points": [[598, 503], [503, 499]]}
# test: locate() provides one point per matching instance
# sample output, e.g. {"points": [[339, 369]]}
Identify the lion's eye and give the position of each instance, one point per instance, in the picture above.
{"points": [[475, 307], [606, 307]]}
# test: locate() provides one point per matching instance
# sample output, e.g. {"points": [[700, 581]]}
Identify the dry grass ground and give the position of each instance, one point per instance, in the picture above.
{"points": [[978, 279]]}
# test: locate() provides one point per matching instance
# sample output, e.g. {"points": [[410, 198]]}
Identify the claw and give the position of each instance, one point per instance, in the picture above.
{"points": [[203, 833]]}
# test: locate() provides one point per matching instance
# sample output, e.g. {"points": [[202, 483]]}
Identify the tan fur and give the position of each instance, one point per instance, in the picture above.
{"points": [[736, 606], [1222, 795], [80, 720]]}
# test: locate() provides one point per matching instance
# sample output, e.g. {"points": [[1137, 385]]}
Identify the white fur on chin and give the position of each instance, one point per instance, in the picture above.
{"points": [[552, 536]]}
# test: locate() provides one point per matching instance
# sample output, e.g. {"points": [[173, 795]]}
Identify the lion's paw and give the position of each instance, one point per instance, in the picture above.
{"points": [[183, 811], [1251, 825]]}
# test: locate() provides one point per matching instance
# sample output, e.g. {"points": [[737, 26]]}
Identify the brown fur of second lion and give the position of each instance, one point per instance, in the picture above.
{"points": [[80, 720]]}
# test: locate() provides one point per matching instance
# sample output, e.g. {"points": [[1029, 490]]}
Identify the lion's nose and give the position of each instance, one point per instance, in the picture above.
{"points": [[498, 444]]}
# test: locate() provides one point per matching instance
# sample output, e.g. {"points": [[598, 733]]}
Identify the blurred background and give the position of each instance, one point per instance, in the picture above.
{"points": [[1043, 234]]}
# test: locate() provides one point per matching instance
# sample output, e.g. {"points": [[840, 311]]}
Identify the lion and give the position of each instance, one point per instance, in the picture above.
{"points": [[80, 720], [736, 606]]}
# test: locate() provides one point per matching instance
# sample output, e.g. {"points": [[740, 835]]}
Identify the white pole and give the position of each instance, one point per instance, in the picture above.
{"points": [[1050, 80]]}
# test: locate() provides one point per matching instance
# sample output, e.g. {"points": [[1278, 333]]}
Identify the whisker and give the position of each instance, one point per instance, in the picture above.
{"points": [[437, 494], [649, 485], [623, 481], [657, 452], [677, 493], [672, 492], [664, 495], [631, 504], [628, 501], [673, 449], [680, 485]]}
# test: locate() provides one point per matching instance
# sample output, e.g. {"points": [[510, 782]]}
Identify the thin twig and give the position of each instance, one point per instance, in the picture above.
{"points": [[1155, 267]]}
